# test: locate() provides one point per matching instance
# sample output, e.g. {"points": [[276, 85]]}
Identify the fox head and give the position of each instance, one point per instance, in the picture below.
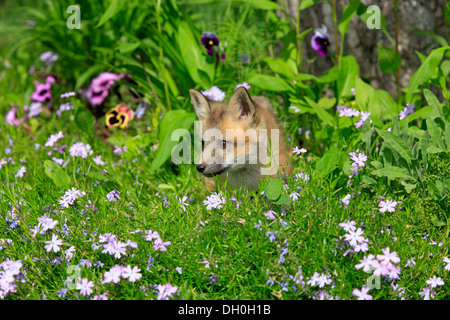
{"points": [[229, 132]]}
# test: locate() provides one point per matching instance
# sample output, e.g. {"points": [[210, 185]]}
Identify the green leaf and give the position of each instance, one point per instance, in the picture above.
{"points": [[363, 93], [127, 48], [396, 143], [261, 4], [434, 104], [447, 134], [57, 174], [273, 189], [174, 119], [112, 10], [347, 15], [283, 200], [269, 83], [389, 60], [408, 186], [425, 71], [282, 67], [164, 186], [330, 161], [85, 121], [393, 173], [438, 223], [193, 57], [433, 36], [348, 72]]}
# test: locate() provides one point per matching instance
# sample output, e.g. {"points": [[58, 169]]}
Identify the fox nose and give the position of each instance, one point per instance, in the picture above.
{"points": [[201, 167]]}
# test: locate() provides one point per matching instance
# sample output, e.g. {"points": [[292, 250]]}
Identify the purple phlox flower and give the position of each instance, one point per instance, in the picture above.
{"points": [[67, 94], [21, 172], [183, 203], [447, 261], [364, 116], [299, 151], [131, 274], [301, 176], [409, 109], [48, 57], [42, 92], [113, 275], [209, 40], [166, 291], [102, 296], [151, 235], [427, 293], [387, 205], [271, 235], [113, 195], [345, 111], [365, 263], [270, 214], [64, 107], [53, 244], [98, 160], [294, 195], [355, 237], [245, 85], [79, 149], [215, 200], [34, 110], [346, 200], [54, 138], [320, 41], [435, 281], [158, 244], [348, 226], [214, 94], [388, 256], [362, 294], [233, 198], [358, 159]]}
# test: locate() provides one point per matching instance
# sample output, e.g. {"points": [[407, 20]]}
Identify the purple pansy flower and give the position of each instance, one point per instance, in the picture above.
{"points": [[209, 40], [99, 88], [11, 117], [320, 41], [42, 92]]}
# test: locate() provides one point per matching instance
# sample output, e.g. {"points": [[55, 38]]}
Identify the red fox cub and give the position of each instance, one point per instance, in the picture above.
{"points": [[241, 141]]}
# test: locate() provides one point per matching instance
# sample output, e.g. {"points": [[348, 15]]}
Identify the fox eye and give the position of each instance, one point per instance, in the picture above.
{"points": [[203, 144], [224, 144]]}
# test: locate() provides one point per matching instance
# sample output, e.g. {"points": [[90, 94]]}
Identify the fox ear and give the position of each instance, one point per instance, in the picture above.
{"points": [[242, 104], [201, 104]]}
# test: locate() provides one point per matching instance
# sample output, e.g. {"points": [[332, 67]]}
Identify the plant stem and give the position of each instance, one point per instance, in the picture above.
{"points": [[397, 73], [299, 41], [335, 32]]}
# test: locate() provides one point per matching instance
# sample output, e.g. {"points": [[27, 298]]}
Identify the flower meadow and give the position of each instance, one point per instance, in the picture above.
{"points": [[93, 208]]}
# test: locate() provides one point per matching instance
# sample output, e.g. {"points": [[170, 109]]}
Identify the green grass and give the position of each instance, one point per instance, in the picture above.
{"points": [[245, 257], [243, 261]]}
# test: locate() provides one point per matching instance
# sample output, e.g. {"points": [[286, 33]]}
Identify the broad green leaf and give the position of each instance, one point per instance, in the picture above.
{"points": [[85, 121], [396, 143], [282, 67], [269, 83], [283, 200], [389, 60], [193, 57], [393, 173], [127, 48], [57, 174], [347, 15], [382, 105], [434, 104], [273, 189], [330, 161], [174, 119], [347, 74], [363, 94], [425, 71]]}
